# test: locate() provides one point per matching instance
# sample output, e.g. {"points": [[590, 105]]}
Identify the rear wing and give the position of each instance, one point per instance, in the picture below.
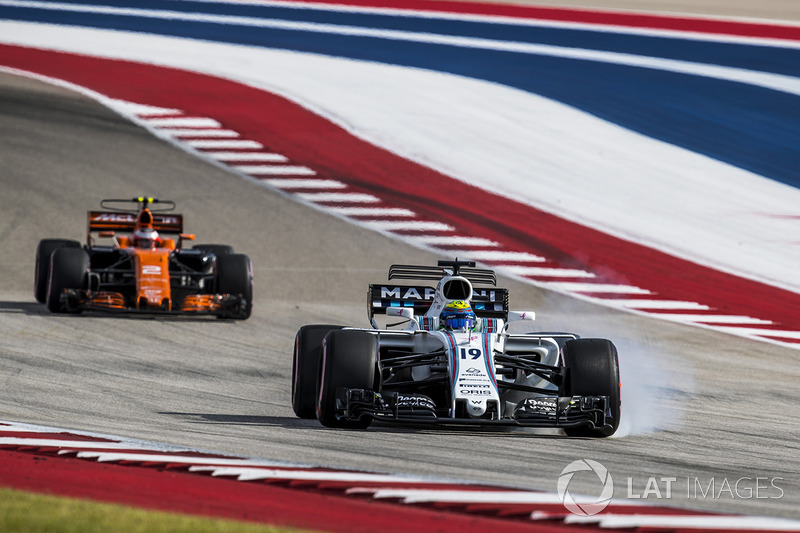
{"points": [[486, 302], [465, 269], [117, 221]]}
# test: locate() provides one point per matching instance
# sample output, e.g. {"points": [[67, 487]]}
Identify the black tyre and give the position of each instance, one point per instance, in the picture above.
{"points": [[216, 249], [235, 276], [69, 269], [593, 370], [349, 359], [42, 270], [305, 367]]}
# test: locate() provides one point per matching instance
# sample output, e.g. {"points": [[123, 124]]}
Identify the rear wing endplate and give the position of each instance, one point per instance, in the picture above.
{"points": [[116, 221]]}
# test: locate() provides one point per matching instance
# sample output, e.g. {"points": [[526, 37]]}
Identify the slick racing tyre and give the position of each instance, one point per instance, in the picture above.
{"points": [[42, 270], [349, 359], [216, 249], [305, 367], [69, 269], [235, 276], [593, 370]]}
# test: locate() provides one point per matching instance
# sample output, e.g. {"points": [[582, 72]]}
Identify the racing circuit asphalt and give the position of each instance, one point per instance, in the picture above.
{"points": [[723, 408]]}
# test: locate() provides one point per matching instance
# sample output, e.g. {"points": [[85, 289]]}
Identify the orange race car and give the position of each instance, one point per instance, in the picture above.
{"points": [[142, 270]]}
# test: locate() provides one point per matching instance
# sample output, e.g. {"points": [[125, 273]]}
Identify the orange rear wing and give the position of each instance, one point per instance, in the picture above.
{"points": [[117, 221]]}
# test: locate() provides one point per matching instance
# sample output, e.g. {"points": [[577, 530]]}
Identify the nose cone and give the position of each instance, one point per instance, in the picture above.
{"points": [[476, 407]]}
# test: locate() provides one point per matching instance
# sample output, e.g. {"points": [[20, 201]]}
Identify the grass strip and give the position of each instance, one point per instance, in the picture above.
{"points": [[29, 512]]}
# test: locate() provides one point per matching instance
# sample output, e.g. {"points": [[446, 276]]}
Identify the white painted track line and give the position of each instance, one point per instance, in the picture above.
{"points": [[595, 287], [223, 144], [713, 319], [70, 444], [716, 523], [501, 255], [762, 332], [306, 184], [197, 132], [460, 240], [339, 197], [253, 474], [183, 122], [411, 225], [373, 211], [276, 170], [265, 157], [178, 459], [412, 496], [660, 304], [546, 272], [142, 110]]}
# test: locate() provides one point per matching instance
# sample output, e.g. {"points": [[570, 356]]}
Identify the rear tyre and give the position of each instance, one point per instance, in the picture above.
{"points": [[349, 359], [593, 370], [69, 269], [41, 277], [235, 276], [216, 249], [305, 367]]}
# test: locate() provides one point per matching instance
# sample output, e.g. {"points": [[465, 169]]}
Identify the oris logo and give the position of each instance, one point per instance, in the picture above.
{"points": [[476, 392], [586, 506]]}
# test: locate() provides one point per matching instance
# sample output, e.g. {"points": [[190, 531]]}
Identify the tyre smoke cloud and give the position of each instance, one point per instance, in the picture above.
{"points": [[654, 386]]}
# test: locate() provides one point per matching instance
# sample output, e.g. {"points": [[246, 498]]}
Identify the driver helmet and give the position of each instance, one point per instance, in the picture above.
{"points": [[145, 238], [457, 315]]}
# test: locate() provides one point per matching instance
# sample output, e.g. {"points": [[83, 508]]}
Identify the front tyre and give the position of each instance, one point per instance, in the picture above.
{"points": [[41, 277], [305, 367], [69, 269], [593, 370], [349, 359], [235, 276]]}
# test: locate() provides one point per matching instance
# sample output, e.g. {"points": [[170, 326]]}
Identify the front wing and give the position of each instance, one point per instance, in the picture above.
{"points": [[591, 412], [221, 305]]}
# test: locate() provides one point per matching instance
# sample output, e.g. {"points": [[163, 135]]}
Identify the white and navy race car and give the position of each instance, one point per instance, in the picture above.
{"points": [[450, 359]]}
